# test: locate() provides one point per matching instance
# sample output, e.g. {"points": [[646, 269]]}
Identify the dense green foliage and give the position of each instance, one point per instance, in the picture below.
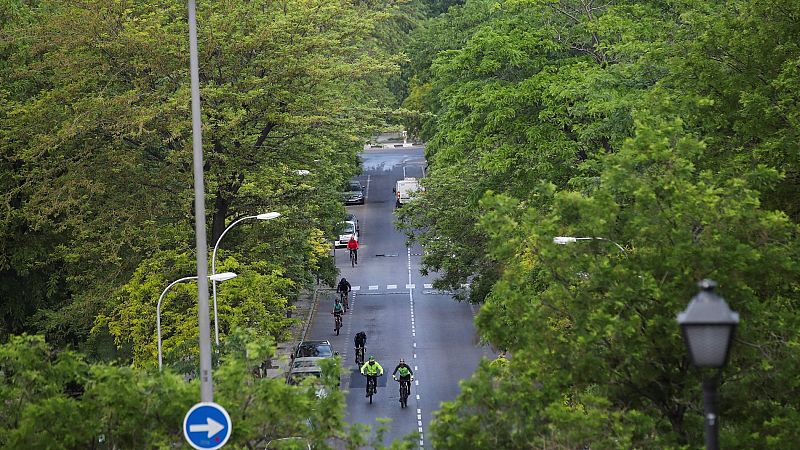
{"points": [[96, 169], [668, 128], [60, 401]]}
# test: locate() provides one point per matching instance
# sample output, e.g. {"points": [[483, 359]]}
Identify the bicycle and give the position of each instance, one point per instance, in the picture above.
{"points": [[338, 322], [343, 299], [352, 258], [371, 385], [405, 390], [360, 356]]}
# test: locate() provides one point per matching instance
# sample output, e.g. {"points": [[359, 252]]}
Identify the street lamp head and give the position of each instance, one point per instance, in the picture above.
{"points": [[224, 276], [707, 326], [268, 216], [564, 240]]}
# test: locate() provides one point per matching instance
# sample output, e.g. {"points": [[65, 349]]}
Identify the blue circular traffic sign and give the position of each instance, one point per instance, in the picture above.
{"points": [[207, 426]]}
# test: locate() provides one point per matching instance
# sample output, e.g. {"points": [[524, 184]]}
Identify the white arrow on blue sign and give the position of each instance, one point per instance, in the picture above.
{"points": [[207, 426]]}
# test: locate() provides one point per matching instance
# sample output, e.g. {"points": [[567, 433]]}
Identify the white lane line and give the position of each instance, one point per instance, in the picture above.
{"points": [[419, 411], [420, 428], [413, 334], [415, 368], [419, 416], [410, 286], [417, 396], [428, 286], [373, 288], [419, 424], [366, 195], [415, 346], [416, 381], [391, 286], [355, 288], [415, 355]]}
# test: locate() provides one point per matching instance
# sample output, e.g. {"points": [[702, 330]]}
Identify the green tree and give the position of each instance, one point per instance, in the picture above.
{"points": [[98, 406], [96, 133]]}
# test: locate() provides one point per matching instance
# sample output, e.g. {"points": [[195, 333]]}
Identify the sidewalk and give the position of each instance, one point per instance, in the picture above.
{"points": [[303, 310]]}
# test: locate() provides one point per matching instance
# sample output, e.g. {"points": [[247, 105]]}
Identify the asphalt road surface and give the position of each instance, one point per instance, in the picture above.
{"points": [[397, 308]]}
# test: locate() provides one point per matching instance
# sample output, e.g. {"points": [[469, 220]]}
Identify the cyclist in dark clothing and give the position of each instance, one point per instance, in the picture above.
{"points": [[360, 340], [344, 286]]}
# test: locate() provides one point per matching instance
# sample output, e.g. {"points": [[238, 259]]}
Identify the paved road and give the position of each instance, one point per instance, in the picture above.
{"points": [[396, 307]]}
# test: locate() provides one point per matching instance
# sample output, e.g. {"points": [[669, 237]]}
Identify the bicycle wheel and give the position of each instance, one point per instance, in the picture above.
{"points": [[352, 259]]}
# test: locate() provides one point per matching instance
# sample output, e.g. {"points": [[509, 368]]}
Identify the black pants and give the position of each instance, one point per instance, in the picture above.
{"points": [[373, 379], [354, 251]]}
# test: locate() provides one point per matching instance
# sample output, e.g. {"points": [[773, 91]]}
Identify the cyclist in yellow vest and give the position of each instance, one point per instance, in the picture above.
{"points": [[372, 370]]}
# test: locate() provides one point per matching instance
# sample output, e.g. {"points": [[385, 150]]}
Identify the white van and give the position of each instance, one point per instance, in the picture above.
{"points": [[404, 189]]}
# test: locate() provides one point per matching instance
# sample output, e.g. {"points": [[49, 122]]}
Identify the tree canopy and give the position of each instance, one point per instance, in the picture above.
{"points": [[664, 128]]}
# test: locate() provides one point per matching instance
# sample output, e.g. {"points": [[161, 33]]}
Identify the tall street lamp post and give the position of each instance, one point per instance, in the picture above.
{"points": [[204, 341], [219, 277], [707, 326], [265, 216]]}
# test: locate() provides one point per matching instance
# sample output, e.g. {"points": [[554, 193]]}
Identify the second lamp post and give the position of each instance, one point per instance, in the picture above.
{"points": [[265, 216]]}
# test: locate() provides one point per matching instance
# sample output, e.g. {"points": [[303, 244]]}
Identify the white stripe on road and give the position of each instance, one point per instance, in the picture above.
{"points": [[355, 288], [428, 286], [410, 286], [391, 286], [373, 288]]}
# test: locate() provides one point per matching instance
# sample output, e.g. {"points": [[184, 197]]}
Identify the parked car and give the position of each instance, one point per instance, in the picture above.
{"points": [[314, 349], [352, 218], [306, 363], [353, 193], [347, 229]]}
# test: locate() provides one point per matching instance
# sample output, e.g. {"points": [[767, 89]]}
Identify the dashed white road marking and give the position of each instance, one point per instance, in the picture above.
{"points": [[415, 369], [355, 288], [428, 286], [391, 286], [373, 288], [410, 286]]}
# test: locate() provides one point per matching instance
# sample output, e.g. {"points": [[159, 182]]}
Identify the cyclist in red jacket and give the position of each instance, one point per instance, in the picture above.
{"points": [[352, 245]]}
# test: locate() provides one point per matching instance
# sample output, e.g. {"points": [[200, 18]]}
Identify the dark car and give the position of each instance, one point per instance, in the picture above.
{"points": [[353, 193], [314, 349]]}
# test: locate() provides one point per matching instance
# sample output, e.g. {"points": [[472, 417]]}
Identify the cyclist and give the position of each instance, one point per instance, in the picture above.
{"points": [[343, 289], [338, 310], [352, 245], [360, 341], [406, 375], [372, 370]]}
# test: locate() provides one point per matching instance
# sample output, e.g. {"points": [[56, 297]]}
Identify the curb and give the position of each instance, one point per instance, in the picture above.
{"points": [[310, 313]]}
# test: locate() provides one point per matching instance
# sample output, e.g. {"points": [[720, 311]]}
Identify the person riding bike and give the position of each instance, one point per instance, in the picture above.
{"points": [[338, 310], [406, 375], [360, 341], [343, 289], [372, 370], [352, 245]]}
